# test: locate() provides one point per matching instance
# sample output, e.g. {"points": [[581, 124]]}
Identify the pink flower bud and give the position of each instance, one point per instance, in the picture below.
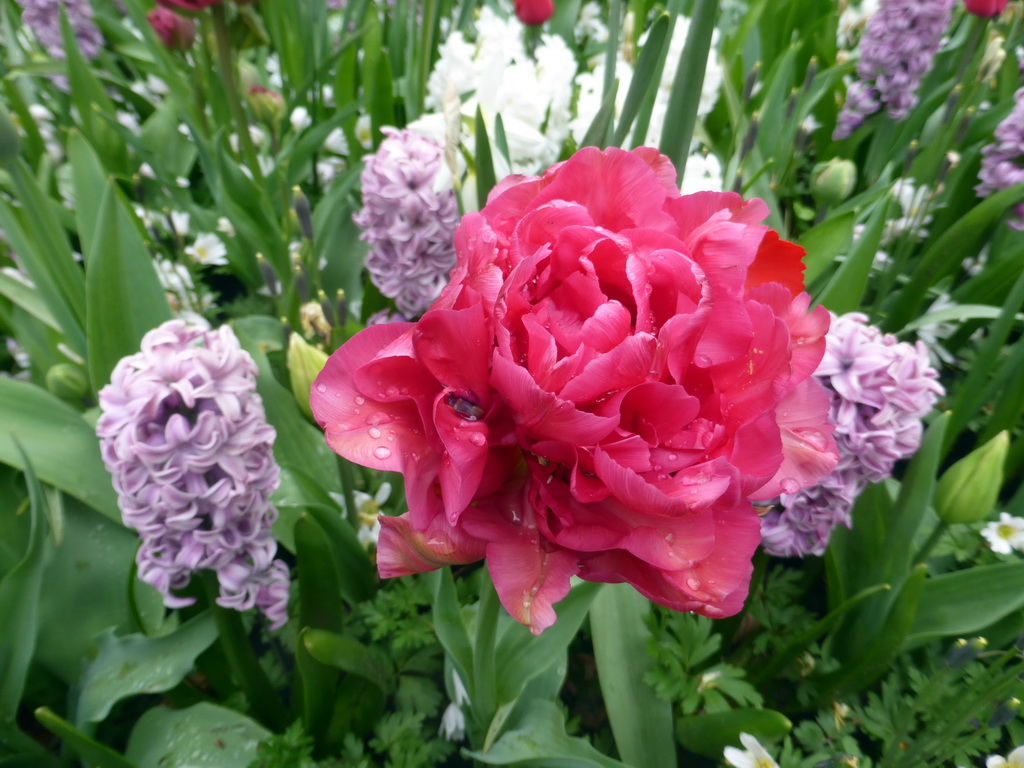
{"points": [[985, 8], [175, 32], [188, 5], [534, 12]]}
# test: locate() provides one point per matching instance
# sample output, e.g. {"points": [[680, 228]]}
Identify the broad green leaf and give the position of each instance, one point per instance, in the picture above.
{"points": [[641, 722], [540, 740], [962, 603], [348, 654], [824, 241], [646, 77], [710, 734], [87, 178], [202, 736], [84, 746], [20, 592], [27, 297], [485, 179], [319, 590], [449, 625], [63, 448], [127, 666], [958, 313], [123, 293]]}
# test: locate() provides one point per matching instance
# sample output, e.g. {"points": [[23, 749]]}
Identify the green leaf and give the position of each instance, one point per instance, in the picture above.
{"points": [[63, 448], [20, 591], [710, 734], [646, 77], [824, 241], [599, 132], [641, 722], [127, 666], [202, 736], [27, 297], [84, 746], [124, 298], [845, 289], [485, 179], [348, 654], [319, 590], [87, 178], [963, 603], [449, 625], [539, 739]]}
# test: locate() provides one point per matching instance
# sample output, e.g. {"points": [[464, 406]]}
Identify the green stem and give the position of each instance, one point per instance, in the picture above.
{"points": [[244, 664], [933, 539], [348, 487], [227, 73], [485, 686]]}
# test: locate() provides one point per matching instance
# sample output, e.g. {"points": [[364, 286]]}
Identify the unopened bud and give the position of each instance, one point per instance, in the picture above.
{"points": [[267, 273], [965, 651], [303, 212], [1004, 713], [267, 105], [67, 381], [833, 181], [968, 490], [304, 364], [176, 32]]}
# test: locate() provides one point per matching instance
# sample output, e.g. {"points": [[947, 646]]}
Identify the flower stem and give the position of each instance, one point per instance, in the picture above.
{"points": [[936, 534], [245, 666], [348, 487], [227, 73], [485, 686]]}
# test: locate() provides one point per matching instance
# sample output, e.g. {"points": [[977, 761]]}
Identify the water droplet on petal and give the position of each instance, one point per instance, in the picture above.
{"points": [[321, 388], [789, 485], [382, 453], [359, 399], [673, 457], [693, 583], [374, 433], [477, 439]]}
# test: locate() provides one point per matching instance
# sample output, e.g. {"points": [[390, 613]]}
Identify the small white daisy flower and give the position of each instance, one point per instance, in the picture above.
{"points": [[208, 249], [1004, 537], [1013, 760], [754, 756]]}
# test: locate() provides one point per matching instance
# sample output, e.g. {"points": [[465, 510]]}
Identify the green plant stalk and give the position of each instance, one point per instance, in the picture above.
{"points": [[242, 660], [933, 539], [348, 486], [485, 691], [227, 72]]}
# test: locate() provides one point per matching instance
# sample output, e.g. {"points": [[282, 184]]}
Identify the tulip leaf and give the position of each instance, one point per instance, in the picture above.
{"points": [[824, 241], [87, 176], [348, 654], [709, 734], [202, 736], [845, 289], [485, 179], [63, 448], [449, 624], [964, 602], [539, 739], [641, 722], [84, 746], [646, 76], [20, 590], [127, 666], [124, 298]]}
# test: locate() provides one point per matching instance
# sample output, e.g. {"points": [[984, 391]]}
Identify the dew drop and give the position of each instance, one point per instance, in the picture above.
{"points": [[673, 457], [693, 583], [670, 537], [702, 360], [321, 388], [657, 467], [477, 439], [789, 485], [374, 433], [382, 453]]}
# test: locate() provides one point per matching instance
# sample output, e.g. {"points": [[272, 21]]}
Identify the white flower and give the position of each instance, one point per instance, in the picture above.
{"points": [[179, 222], [703, 173], [453, 722], [1004, 537], [182, 294], [336, 142], [300, 119], [208, 249], [368, 512], [146, 170], [225, 227], [364, 131], [754, 756], [1013, 760]]}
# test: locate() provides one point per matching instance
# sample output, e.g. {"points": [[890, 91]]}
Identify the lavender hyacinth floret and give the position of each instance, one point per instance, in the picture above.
{"points": [[185, 437], [409, 226], [1000, 164], [897, 50], [43, 17], [881, 389]]}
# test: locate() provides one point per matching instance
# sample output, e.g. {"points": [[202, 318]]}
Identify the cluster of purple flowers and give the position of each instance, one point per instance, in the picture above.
{"points": [[881, 389], [1001, 160], [896, 51], [409, 226], [43, 18], [185, 437]]}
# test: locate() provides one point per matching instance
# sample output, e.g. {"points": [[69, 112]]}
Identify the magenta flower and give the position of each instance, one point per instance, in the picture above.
{"points": [[184, 435], [614, 372], [407, 224], [881, 389]]}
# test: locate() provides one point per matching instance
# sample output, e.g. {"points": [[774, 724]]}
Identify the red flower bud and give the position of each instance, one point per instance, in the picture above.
{"points": [[985, 8], [175, 32], [534, 12], [188, 5]]}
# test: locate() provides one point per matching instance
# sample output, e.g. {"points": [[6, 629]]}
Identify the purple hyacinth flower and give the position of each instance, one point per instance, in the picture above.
{"points": [[881, 389], [1001, 160], [897, 50], [409, 226], [185, 437], [43, 18]]}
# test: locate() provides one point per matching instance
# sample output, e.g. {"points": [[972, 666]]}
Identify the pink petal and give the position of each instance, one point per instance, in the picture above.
{"points": [[455, 345], [402, 550], [530, 577]]}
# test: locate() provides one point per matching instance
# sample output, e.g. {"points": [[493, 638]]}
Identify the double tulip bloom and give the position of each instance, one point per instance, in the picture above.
{"points": [[612, 375]]}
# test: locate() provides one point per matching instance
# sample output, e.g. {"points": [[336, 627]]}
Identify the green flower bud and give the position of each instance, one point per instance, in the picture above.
{"points": [[968, 490], [833, 181], [304, 363], [10, 141], [67, 381], [267, 105]]}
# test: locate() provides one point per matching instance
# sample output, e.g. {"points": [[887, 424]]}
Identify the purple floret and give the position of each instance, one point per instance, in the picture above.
{"points": [[881, 389], [1001, 164], [43, 18], [409, 226], [185, 437]]}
